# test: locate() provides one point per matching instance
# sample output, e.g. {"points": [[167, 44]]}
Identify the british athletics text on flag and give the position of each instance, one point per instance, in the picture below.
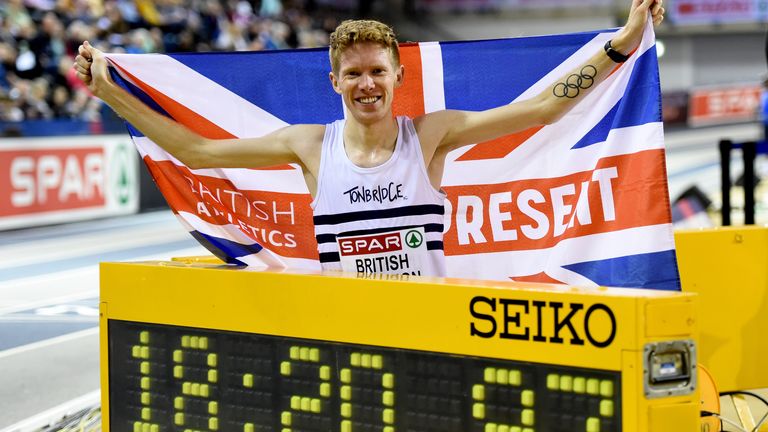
{"points": [[583, 201]]}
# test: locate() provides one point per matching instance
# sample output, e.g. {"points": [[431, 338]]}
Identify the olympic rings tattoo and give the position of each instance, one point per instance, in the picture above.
{"points": [[575, 83]]}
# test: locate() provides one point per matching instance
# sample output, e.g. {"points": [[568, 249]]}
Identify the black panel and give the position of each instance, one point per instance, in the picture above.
{"points": [[236, 382]]}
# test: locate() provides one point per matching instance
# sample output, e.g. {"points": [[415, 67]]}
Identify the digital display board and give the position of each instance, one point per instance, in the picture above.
{"points": [[190, 346], [172, 378]]}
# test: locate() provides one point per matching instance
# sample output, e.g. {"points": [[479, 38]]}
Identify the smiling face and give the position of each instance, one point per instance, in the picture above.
{"points": [[366, 79]]}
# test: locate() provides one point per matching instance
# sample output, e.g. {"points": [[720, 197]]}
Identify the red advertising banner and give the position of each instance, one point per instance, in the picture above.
{"points": [[53, 179], [512, 5], [716, 11], [64, 179], [717, 105]]}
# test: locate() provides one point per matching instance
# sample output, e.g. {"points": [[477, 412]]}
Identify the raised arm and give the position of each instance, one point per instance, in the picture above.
{"points": [[447, 130], [292, 144]]}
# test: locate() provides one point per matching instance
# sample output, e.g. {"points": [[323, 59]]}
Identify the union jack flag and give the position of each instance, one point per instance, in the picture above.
{"points": [[583, 201]]}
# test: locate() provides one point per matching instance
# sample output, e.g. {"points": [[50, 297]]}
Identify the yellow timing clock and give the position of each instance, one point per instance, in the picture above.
{"points": [[200, 347]]}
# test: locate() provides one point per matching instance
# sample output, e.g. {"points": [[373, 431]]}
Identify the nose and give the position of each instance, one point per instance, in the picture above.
{"points": [[366, 82]]}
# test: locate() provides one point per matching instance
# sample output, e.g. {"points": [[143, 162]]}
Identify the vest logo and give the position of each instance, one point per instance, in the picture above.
{"points": [[380, 194], [414, 239], [365, 245]]}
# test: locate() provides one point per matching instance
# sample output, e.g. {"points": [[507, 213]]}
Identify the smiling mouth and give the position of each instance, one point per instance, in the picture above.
{"points": [[368, 100]]}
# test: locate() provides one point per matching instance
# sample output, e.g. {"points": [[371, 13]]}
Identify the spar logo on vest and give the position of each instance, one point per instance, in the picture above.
{"points": [[395, 252], [389, 193]]}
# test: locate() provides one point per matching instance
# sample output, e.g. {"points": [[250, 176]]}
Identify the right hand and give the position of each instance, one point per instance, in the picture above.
{"points": [[632, 34], [91, 67]]}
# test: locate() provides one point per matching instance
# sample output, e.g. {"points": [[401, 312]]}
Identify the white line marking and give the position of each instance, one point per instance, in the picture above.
{"points": [[56, 413], [50, 301], [48, 342]]}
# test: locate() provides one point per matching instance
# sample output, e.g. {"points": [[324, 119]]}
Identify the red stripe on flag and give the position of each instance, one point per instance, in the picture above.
{"points": [[409, 97], [500, 147], [538, 278]]}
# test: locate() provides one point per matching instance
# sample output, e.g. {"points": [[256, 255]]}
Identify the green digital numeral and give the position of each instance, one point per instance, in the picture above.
{"points": [[303, 357], [141, 353], [524, 400], [384, 406], [193, 389], [590, 388]]}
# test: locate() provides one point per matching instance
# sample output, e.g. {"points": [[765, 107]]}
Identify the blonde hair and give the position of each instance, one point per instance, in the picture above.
{"points": [[351, 32]]}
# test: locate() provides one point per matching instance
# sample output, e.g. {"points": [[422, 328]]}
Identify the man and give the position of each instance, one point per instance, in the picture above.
{"points": [[375, 179]]}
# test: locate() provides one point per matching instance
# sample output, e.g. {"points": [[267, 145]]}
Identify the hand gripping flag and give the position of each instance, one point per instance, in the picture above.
{"points": [[583, 201]]}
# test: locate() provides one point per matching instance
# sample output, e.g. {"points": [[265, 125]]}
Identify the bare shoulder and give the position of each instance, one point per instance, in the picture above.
{"points": [[434, 119], [305, 140], [433, 127], [302, 137], [303, 132]]}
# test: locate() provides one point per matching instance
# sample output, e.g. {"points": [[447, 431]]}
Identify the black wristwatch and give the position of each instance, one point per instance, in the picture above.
{"points": [[613, 54]]}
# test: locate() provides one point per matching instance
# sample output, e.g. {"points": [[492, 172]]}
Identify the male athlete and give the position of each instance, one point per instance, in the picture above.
{"points": [[375, 179]]}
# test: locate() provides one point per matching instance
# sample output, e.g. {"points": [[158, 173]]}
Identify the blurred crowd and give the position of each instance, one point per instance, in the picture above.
{"points": [[39, 39]]}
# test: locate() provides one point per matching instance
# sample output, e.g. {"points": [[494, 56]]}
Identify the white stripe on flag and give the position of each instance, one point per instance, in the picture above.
{"points": [[432, 73], [282, 181], [228, 231], [545, 156], [294, 264], [207, 98], [502, 265]]}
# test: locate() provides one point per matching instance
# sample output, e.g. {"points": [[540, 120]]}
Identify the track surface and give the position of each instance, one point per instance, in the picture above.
{"points": [[49, 348]]}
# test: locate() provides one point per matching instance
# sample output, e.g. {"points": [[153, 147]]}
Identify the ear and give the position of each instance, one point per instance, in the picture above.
{"points": [[334, 82], [400, 76]]}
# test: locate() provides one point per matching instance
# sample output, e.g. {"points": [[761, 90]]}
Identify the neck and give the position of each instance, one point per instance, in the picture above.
{"points": [[370, 144]]}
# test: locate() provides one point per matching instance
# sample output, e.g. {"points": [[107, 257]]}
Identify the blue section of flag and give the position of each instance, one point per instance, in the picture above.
{"points": [[599, 133], [274, 80], [226, 250], [479, 75], [640, 104], [643, 94], [653, 270], [148, 101]]}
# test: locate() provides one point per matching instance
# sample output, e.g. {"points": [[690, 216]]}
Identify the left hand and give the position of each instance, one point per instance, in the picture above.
{"points": [[629, 38]]}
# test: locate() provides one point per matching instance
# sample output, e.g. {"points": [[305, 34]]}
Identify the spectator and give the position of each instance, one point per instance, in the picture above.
{"points": [[38, 40], [764, 108], [58, 100], [16, 16]]}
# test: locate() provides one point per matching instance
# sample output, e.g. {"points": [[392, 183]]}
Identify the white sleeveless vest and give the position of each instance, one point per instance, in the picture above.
{"points": [[385, 219]]}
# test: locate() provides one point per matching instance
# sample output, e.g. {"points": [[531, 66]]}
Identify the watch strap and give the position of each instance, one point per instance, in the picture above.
{"points": [[613, 54]]}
